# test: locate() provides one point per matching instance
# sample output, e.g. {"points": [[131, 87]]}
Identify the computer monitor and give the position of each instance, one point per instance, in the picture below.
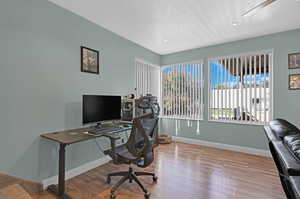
{"points": [[97, 108]]}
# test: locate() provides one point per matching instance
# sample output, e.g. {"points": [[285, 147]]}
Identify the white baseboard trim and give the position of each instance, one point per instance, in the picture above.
{"points": [[248, 150], [76, 171]]}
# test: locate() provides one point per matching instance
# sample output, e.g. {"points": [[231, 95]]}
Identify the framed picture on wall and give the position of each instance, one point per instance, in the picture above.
{"points": [[294, 82], [89, 60], [294, 60]]}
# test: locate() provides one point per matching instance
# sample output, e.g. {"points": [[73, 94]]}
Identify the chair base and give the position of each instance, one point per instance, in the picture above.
{"points": [[130, 175]]}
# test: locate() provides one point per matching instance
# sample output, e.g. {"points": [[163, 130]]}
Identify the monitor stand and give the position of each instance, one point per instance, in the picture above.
{"points": [[102, 124], [98, 125]]}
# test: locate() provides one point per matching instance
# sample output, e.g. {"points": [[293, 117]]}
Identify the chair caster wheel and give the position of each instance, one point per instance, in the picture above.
{"points": [[108, 180], [113, 197], [147, 195], [155, 178]]}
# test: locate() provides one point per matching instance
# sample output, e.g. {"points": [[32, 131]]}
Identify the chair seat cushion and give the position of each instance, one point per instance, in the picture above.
{"points": [[123, 152], [125, 157], [293, 144], [291, 138]]}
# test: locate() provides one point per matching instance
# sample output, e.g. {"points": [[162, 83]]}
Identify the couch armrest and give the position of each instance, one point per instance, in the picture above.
{"points": [[281, 128], [270, 134], [287, 161]]}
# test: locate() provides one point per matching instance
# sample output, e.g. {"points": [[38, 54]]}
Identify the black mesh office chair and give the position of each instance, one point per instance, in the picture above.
{"points": [[138, 150]]}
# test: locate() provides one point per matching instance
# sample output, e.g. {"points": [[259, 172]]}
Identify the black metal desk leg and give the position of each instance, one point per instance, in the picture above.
{"points": [[61, 173], [59, 189], [113, 148]]}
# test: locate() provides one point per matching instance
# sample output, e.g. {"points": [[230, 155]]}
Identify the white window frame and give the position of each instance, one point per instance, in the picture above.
{"points": [[271, 82], [201, 62]]}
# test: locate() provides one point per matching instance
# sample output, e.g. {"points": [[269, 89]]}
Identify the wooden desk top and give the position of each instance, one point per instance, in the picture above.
{"points": [[78, 135]]}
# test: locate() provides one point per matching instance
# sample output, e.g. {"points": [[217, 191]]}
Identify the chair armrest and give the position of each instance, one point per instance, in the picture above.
{"points": [[287, 160], [144, 116]]}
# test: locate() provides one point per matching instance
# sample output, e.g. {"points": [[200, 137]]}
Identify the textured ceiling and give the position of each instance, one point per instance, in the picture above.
{"points": [[167, 26]]}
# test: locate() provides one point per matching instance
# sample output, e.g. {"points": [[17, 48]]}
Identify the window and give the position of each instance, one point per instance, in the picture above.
{"points": [[147, 78], [240, 88], [182, 91]]}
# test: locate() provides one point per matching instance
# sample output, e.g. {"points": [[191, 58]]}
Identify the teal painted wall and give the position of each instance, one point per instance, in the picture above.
{"points": [[41, 85], [286, 102]]}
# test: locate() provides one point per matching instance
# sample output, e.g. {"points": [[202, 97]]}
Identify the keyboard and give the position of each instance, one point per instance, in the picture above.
{"points": [[104, 130]]}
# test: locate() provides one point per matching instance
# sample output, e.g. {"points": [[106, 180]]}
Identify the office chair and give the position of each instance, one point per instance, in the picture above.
{"points": [[138, 150], [149, 104]]}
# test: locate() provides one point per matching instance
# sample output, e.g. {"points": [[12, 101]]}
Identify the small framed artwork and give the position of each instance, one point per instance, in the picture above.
{"points": [[89, 60], [294, 60], [294, 82]]}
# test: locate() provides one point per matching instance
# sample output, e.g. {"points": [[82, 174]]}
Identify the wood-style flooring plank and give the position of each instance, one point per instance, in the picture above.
{"points": [[187, 172], [14, 192]]}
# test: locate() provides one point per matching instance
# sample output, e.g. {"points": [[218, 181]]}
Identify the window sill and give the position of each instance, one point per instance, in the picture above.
{"points": [[180, 118], [236, 122], [214, 121]]}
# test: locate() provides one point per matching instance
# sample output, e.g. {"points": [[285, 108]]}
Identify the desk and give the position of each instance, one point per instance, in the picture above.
{"points": [[68, 137]]}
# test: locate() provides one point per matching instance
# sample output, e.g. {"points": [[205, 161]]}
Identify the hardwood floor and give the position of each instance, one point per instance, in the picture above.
{"points": [[187, 172], [14, 192], [29, 186]]}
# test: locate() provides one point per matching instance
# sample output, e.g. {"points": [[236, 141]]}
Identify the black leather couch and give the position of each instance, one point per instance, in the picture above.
{"points": [[284, 144]]}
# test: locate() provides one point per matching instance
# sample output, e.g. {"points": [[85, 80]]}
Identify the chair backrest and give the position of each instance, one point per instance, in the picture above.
{"points": [[141, 141], [149, 104]]}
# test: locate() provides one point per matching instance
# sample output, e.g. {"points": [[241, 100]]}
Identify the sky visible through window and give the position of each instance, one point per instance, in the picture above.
{"points": [[187, 68], [239, 89], [217, 70], [190, 69]]}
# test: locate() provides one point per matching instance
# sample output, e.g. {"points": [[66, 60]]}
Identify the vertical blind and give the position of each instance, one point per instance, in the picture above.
{"points": [[240, 88], [182, 90], [147, 78]]}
